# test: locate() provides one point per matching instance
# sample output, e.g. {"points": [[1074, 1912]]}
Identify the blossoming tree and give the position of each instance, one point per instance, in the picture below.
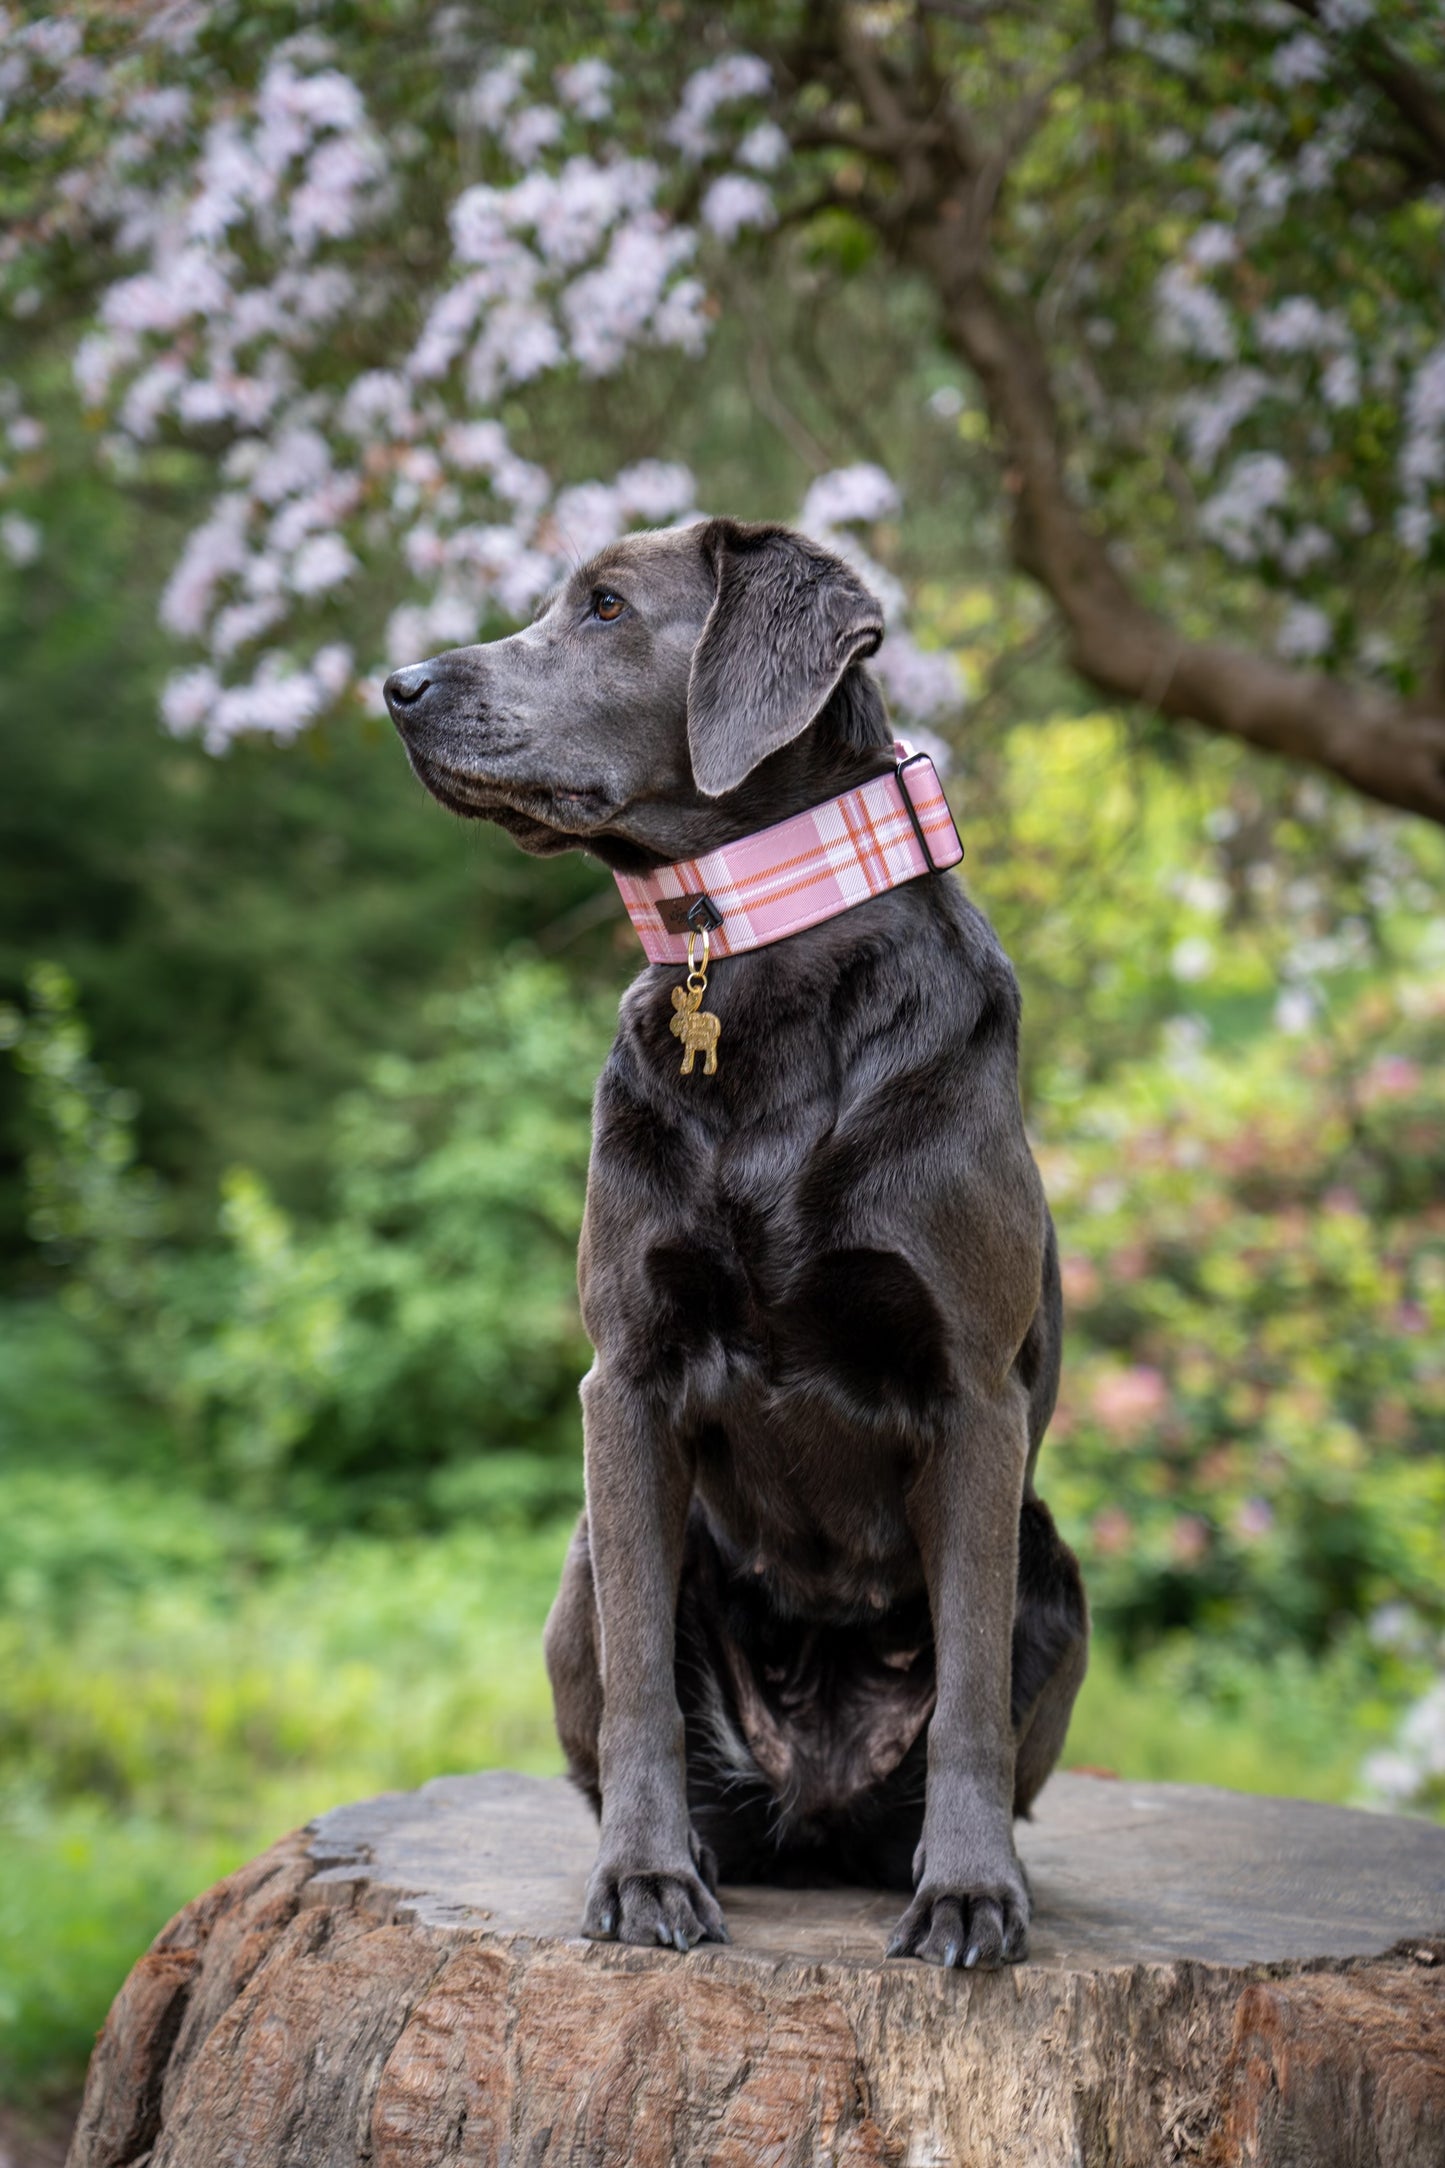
{"points": [[1187, 263]]}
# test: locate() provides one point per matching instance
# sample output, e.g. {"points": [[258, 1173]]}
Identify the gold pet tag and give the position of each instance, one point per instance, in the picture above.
{"points": [[696, 1026]]}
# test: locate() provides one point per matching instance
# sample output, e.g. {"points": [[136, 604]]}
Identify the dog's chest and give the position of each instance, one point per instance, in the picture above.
{"points": [[769, 1302]]}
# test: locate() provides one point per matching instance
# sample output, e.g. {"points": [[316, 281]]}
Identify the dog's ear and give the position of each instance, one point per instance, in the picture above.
{"points": [[787, 620]]}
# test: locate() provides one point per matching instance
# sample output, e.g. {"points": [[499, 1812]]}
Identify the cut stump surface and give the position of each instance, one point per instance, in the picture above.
{"points": [[1227, 1981]]}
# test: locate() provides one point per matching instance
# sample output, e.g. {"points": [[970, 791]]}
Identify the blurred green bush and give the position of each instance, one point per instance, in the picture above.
{"points": [[355, 1365], [1251, 1432]]}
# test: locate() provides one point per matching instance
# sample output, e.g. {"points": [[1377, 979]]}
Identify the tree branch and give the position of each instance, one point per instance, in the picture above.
{"points": [[1384, 748], [940, 219]]}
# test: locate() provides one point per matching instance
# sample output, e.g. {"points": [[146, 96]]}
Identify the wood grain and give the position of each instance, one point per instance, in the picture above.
{"points": [[1219, 1981]]}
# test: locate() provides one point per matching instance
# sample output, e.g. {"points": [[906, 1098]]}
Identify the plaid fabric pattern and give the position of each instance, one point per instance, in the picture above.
{"points": [[804, 869]]}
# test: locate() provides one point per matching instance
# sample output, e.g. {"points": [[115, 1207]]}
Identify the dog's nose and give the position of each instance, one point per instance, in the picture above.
{"points": [[405, 688]]}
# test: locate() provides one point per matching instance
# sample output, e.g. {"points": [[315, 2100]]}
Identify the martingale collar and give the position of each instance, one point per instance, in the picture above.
{"points": [[802, 870]]}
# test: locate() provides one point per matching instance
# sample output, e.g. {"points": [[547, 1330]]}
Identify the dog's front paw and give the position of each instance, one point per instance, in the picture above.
{"points": [[984, 1924], [672, 1906]]}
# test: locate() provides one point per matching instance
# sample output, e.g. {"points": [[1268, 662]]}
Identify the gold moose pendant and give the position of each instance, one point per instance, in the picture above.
{"points": [[696, 1026]]}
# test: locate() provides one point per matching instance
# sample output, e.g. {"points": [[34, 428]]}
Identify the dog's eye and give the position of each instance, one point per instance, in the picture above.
{"points": [[606, 605]]}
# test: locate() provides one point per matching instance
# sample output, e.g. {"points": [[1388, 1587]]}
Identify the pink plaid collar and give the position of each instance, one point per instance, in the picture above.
{"points": [[801, 871]]}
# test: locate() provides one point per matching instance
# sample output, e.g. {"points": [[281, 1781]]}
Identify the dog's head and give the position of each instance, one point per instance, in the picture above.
{"points": [[684, 686]]}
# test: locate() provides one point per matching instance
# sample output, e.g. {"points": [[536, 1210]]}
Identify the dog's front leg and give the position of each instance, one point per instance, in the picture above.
{"points": [[647, 1885], [971, 1905]]}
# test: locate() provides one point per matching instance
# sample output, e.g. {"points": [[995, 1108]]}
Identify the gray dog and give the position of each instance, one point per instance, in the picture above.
{"points": [[815, 1624]]}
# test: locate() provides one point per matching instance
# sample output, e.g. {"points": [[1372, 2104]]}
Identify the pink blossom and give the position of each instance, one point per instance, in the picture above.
{"points": [[233, 181], [98, 358], [764, 148], [320, 564], [609, 309], [478, 224], [497, 90], [654, 490], [324, 507], [1393, 1076], [408, 635], [587, 518], [20, 539], [1080, 1277], [299, 459], [734, 203], [202, 402], [920, 682], [188, 698], [849, 496], [530, 131], [1255, 1517], [1301, 59], [332, 667], [723, 82], [1189, 1539], [330, 204], [1192, 318], [241, 622], [1112, 1531], [519, 343], [379, 401], [1128, 1402], [214, 551], [680, 318], [522, 578], [587, 87], [425, 551], [189, 284], [450, 323]]}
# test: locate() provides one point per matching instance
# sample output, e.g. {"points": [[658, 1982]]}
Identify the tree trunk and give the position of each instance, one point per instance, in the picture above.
{"points": [[402, 1986]]}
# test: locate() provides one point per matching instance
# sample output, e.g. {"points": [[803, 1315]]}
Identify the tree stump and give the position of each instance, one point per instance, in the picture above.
{"points": [[1215, 1979]]}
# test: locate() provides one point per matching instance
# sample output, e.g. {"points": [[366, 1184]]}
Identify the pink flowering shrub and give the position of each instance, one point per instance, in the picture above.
{"points": [[1251, 1433]]}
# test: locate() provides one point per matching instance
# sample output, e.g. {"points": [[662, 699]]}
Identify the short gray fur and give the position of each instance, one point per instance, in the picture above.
{"points": [[817, 1622]]}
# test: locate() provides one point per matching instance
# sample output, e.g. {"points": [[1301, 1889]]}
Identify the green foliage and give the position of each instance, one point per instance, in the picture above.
{"points": [[90, 1204], [1251, 1437], [181, 1683], [82, 1891], [432, 1313], [1192, 1711]]}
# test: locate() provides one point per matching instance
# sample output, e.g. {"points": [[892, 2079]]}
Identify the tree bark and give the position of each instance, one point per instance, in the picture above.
{"points": [[402, 1987]]}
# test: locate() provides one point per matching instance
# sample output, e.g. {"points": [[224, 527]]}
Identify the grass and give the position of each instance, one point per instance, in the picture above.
{"points": [[170, 1709], [1291, 1727]]}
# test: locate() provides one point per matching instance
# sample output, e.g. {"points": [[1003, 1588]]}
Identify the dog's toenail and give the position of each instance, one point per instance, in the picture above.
{"points": [[972, 1958]]}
